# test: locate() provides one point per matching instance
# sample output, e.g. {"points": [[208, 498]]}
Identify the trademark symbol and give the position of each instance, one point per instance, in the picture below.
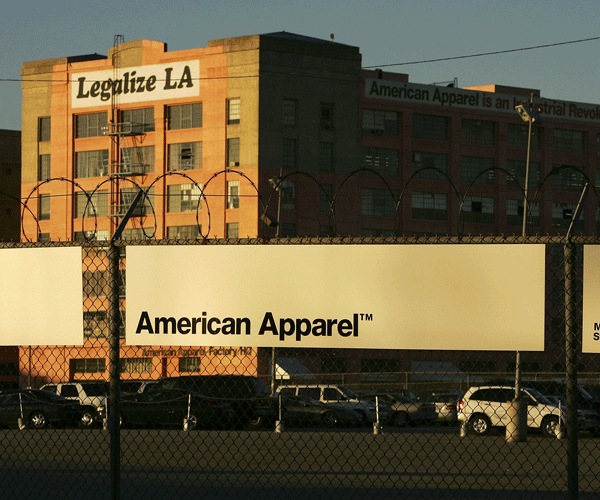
{"points": [[366, 317]]}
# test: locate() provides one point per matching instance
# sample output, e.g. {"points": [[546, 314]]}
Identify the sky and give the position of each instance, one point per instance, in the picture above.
{"points": [[426, 39]]}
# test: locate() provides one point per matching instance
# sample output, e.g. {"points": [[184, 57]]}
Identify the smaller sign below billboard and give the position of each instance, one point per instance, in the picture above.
{"points": [[41, 296], [590, 341], [470, 297]]}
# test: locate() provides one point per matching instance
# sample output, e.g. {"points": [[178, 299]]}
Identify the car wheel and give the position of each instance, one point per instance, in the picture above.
{"points": [[37, 420], [550, 426], [479, 424], [191, 420], [256, 422], [88, 419], [400, 418], [329, 419]]}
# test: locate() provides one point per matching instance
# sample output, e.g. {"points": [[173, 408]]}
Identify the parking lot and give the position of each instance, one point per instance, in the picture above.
{"points": [[350, 464]]}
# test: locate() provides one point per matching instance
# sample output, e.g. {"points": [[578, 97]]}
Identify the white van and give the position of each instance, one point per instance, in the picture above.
{"points": [[340, 396]]}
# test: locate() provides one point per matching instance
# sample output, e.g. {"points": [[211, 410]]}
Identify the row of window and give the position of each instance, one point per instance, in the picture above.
{"points": [[473, 131], [139, 121], [139, 160]]}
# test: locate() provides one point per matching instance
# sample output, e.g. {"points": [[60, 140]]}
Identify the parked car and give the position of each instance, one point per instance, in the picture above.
{"points": [[487, 406], [309, 412], [446, 406], [170, 408], [248, 396], [133, 386], [339, 396], [90, 394], [38, 409], [404, 410]]}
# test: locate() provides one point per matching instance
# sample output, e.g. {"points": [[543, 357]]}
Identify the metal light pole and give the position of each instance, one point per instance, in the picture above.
{"points": [[276, 183], [516, 428]]}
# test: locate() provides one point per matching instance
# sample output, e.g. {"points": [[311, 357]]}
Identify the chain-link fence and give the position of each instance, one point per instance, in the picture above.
{"points": [[161, 422]]}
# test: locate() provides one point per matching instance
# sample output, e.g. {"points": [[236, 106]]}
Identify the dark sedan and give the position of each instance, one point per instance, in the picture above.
{"points": [[311, 413], [171, 408], [38, 409]]}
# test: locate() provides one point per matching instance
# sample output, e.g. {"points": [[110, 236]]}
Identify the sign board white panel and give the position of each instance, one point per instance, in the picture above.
{"points": [[136, 84], [480, 297], [591, 299], [41, 296]]}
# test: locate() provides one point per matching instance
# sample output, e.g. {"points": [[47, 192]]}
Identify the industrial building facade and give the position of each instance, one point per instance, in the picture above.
{"points": [[226, 139]]}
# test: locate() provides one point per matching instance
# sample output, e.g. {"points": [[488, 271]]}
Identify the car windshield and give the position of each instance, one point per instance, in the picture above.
{"points": [[349, 393]]}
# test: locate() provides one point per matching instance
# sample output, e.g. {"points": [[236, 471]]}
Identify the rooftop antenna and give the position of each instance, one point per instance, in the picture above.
{"points": [[332, 36]]}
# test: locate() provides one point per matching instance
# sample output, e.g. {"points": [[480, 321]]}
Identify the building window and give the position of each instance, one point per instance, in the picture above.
{"points": [[289, 153], [138, 120], [378, 121], [89, 365], [233, 152], [144, 206], [184, 198], [95, 324], [44, 208], [430, 127], [136, 365], [99, 235], [326, 157], [478, 209], [185, 156], [44, 129], [136, 234], [139, 160], [233, 111], [514, 213], [518, 136], [476, 170], [516, 174], [378, 202], [91, 163], [562, 215], [288, 195], [44, 237], [288, 230], [290, 112], [233, 230], [325, 198], [189, 365], [430, 166], [95, 284], [96, 204], [429, 206], [566, 177], [480, 132], [43, 167], [327, 109], [233, 194], [185, 116], [384, 161], [569, 141], [91, 125], [184, 232]]}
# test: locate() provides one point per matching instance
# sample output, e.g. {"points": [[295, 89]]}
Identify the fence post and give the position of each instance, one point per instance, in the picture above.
{"points": [[114, 319], [571, 371]]}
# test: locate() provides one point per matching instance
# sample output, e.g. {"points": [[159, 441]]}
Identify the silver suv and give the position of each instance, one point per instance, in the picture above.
{"points": [[91, 395], [485, 407], [340, 396]]}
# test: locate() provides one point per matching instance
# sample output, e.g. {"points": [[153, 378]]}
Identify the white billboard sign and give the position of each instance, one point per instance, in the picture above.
{"points": [[591, 299], [41, 299], [136, 84], [479, 297]]}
